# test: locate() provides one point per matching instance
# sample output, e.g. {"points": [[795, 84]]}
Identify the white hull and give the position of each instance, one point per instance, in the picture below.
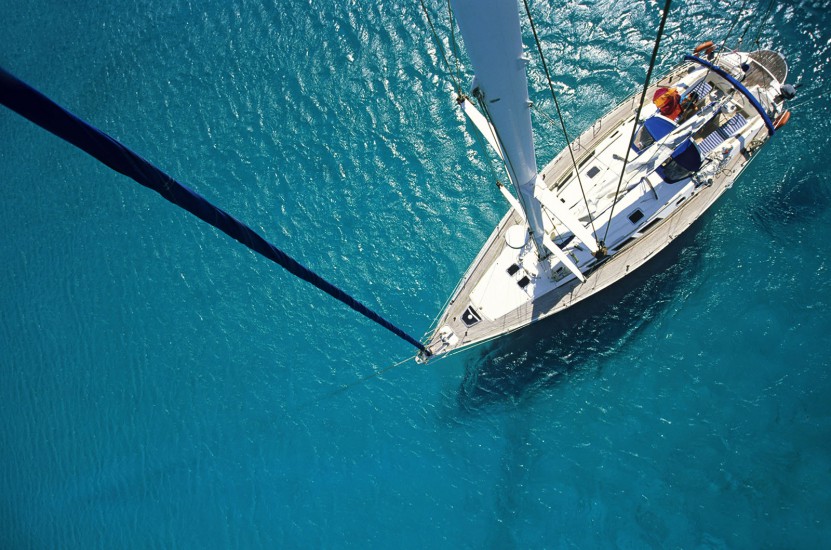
{"points": [[507, 287]]}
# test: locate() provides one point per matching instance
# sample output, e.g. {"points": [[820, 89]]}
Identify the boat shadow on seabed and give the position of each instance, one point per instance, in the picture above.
{"points": [[549, 352]]}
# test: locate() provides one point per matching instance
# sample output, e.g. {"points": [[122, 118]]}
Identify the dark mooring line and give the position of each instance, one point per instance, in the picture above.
{"points": [[36, 107]]}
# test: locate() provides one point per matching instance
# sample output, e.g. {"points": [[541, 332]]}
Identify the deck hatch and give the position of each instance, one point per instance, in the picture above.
{"points": [[636, 216], [470, 317]]}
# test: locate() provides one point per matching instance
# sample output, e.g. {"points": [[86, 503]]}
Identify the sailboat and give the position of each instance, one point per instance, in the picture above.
{"points": [[618, 194]]}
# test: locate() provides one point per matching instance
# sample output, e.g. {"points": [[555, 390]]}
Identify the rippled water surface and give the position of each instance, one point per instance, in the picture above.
{"points": [[164, 387]]}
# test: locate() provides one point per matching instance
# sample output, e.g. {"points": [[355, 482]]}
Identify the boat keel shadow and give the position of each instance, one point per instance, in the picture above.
{"points": [[552, 351]]}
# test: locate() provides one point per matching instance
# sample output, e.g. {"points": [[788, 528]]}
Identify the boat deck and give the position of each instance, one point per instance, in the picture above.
{"points": [[615, 267]]}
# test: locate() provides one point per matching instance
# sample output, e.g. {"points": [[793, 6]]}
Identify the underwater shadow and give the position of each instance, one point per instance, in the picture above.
{"points": [[553, 350], [801, 195]]}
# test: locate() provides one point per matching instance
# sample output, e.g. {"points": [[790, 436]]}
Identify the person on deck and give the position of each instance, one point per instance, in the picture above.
{"points": [[689, 106], [668, 102]]}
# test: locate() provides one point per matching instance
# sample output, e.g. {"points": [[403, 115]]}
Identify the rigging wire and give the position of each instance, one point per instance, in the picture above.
{"points": [[454, 47], [495, 137], [483, 146], [751, 23], [638, 113], [460, 96], [809, 100], [560, 115], [545, 115], [729, 32], [547, 214], [727, 37], [441, 49], [762, 24]]}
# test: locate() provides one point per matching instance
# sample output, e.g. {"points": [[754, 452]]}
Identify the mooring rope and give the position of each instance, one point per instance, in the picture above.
{"points": [[358, 381], [36, 107]]}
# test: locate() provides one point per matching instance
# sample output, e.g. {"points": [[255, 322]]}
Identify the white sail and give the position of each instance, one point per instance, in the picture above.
{"points": [[492, 37], [482, 124]]}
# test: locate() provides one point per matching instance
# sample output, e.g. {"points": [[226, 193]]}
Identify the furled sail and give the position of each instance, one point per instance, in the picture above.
{"points": [[492, 37]]}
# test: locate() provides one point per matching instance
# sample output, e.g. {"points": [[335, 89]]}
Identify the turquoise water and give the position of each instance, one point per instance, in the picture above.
{"points": [[164, 387]]}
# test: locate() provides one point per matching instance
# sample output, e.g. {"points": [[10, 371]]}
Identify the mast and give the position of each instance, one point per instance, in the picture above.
{"points": [[493, 40]]}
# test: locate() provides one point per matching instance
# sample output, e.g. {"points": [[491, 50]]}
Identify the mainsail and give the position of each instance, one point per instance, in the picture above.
{"points": [[493, 40], [492, 37]]}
